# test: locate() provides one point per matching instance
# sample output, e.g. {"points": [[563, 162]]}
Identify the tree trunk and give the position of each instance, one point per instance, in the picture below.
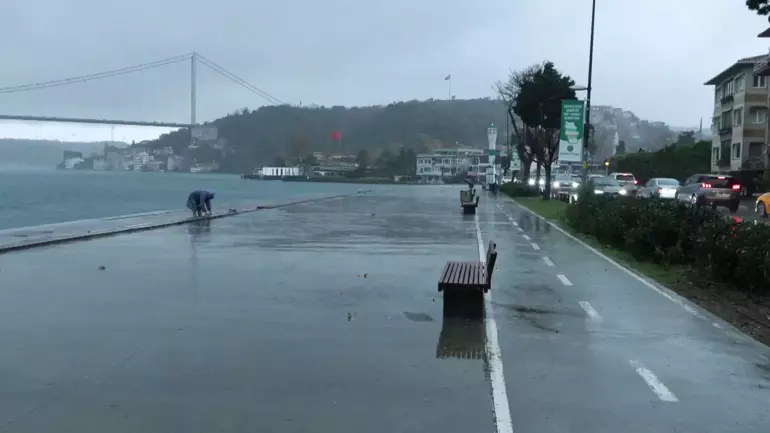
{"points": [[547, 189], [537, 173]]}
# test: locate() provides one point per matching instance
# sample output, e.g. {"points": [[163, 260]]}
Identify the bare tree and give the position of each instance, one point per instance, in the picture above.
{"points": [[508, 91]]}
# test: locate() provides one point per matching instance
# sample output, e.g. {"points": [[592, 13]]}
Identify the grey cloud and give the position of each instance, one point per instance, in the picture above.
{"points": [[364, 51]]}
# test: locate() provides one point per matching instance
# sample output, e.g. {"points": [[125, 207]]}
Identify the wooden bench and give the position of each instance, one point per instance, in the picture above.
{"points": [[469, 275], [467, 201]]}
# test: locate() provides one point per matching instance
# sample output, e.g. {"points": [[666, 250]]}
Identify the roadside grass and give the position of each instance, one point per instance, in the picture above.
{"points": [[731, 306]]}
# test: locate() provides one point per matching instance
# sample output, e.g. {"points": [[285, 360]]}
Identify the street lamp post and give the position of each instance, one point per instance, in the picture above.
{"points": [[588, 93]]}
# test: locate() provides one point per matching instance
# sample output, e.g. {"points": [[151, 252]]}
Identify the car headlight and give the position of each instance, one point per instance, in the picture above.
{"points": [[622, 191], [598, 191], [542, 182], [556, 184], [575, 184], [531, 182]]}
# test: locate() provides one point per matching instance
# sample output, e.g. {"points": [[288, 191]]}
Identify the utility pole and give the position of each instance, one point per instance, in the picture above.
{"points": [[586, 129]]}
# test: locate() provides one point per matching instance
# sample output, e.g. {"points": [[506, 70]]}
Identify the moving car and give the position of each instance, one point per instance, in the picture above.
{"points": [[711, 190], [659, 187], [607, 186], [762, 206], [627, 181], [562, 186]]}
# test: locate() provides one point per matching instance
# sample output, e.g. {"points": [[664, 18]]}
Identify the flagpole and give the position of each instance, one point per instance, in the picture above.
{"points": [[450, 87]]}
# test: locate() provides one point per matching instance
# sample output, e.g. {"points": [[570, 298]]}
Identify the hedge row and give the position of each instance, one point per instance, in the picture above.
{"points": [[519, 190], [667, 232]]}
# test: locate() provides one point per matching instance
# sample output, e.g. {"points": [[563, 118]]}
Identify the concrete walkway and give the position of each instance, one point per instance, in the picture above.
{"points": [[324, 317]]}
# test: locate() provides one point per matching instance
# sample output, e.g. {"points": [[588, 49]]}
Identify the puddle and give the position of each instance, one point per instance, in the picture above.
{"points": [[418, 317], [462, 339]]}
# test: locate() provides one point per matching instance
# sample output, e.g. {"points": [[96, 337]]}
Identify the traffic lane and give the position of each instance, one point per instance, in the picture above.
{"points": [[718, 377], [560, 374], [316, 317]]}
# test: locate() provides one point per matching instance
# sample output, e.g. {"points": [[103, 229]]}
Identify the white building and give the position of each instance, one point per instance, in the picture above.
{"points": [[280, 171], [70, 163], [449, 162], [139, 160]]}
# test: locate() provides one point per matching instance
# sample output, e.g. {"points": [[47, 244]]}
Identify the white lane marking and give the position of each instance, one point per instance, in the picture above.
{"points": [[502, 411], [593, 314], [564, 280], [515, 223], [763, 357], [520, 229], [548, 261], [535, 246], [717, 325], [653, 382], [679, 301], [526, 237]]}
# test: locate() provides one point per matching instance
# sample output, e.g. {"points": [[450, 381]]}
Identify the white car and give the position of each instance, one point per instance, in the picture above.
{"points": [[659, 187]]}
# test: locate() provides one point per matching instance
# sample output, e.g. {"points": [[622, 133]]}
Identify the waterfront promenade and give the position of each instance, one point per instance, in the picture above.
{"points": [[324, 317]]}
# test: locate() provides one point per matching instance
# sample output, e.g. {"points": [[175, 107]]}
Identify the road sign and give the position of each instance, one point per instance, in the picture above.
{"points": [[571, 132]]}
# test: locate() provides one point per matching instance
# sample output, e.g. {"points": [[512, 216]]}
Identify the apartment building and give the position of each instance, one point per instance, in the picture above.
{"points": [[739, 123], [448, 162]]}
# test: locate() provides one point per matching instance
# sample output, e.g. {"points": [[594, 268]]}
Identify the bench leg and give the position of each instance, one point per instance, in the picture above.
{"points": [[463, 303]]}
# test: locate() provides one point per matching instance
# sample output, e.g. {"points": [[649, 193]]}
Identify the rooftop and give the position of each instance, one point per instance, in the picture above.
{"points": [[734, 69]]}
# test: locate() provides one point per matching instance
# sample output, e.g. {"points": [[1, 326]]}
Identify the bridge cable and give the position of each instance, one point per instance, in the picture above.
{"points": [[238, 80], [97, 76]]}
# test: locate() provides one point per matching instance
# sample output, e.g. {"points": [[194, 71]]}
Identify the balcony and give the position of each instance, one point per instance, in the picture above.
{"points": [[725, 130], [727, 100], [724, 160]]}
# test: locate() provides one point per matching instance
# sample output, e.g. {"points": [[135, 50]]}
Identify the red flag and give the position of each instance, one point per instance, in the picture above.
{"points": [[337, 135]]}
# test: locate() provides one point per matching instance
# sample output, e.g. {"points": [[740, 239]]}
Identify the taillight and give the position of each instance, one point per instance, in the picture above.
{"points": [[736, 187], [705, 185], [660, 189], [635, 181]]}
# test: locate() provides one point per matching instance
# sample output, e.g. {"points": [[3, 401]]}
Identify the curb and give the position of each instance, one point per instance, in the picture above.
{"points": [[96, 234]]}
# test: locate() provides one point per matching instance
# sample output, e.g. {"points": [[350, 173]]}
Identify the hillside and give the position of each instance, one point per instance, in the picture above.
{"points": [[252, 138], [19, 153], [635, 132]]}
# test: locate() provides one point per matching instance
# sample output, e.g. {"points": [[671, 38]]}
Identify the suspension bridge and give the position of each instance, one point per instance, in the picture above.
{"points": [[194, 59]]}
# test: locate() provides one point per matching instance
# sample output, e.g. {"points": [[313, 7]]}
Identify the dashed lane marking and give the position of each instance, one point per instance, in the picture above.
{"points": [[548, 262], [564, 280], [654, 383]]}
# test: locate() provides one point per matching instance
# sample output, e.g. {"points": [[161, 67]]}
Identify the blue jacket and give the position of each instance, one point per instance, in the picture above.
{"points": [[200, 200]]}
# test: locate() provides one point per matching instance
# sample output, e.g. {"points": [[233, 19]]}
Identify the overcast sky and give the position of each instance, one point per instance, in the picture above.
{"points": [[651, 57]]}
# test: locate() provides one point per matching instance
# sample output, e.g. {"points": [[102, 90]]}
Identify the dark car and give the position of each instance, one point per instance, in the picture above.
{"points": [[711, 190]]}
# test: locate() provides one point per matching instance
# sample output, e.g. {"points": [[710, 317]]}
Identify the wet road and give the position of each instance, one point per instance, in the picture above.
{"points": [[324, 317]]}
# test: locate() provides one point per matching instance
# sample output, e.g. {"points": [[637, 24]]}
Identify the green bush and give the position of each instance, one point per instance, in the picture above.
{"points": [[668, 232], [519, 190]]}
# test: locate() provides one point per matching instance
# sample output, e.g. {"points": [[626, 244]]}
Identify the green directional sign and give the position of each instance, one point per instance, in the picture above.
{"points": [[571, 132]]}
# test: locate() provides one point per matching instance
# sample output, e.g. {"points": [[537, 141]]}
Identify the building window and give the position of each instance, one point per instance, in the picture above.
{"points": [[715, 154], [736, 153], [758, 115], [727, 119], [759, 81], [738, 117], [740, 83], [755, 149]]}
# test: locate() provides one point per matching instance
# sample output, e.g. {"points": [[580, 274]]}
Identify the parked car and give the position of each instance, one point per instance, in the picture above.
{"points": [[711, 190], [659, 187], [627, 181], [607, 186]]}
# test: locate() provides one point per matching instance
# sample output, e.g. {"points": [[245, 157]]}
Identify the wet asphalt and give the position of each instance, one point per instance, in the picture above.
{"points": [[324, 317]]}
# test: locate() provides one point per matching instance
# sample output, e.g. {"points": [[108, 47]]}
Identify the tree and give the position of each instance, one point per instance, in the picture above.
{"points": [[280, 161], [538, 105], [508, 91], [309, 160], [298, 148], [761, 7], [621, 149], [362, 158]]}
